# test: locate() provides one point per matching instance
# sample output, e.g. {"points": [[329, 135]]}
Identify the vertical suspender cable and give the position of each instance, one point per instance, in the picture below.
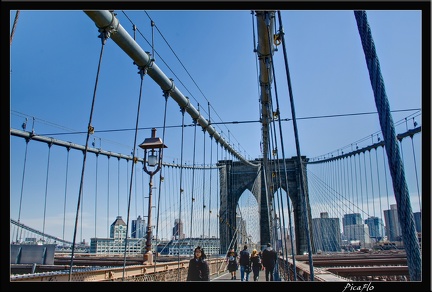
{"points": [[378, 230], [118, 185], [372, 184], [217, 197], [96, 193], [183, 109], [18, 239], [275, 161], [46, 188], [210, 183], [161, 178], [366, 182], [65, 196], [361, 184], [203, 194], [299, 159], [104, 35], [284, 164], [193, 177], [142, 72]]}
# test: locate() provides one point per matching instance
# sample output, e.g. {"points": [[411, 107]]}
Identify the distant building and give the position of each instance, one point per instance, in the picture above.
{"points": [[178, 229], [358, 233], [186, 246], [393, 228], [118, 229], [355, 231], [138, 228], [352, 219], [376, 228], [115, 244], [326, 233]]}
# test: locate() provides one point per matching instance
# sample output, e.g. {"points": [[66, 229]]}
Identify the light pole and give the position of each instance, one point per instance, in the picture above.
{"points": [[152, 158]]}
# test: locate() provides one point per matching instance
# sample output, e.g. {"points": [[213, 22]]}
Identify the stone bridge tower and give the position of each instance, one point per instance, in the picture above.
{"points": [[236, 177]]}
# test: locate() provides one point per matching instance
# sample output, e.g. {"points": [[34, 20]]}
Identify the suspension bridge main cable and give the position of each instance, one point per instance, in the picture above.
{"points": [[396, 167], [105, 18]]}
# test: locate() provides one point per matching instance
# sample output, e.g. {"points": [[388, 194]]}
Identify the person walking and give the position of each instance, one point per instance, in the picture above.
{"points": [[256, 264], [269, 258], [244, 264], [232, 263], [198, 267]]}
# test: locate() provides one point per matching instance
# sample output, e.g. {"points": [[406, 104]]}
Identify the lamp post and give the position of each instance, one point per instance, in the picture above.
{"points": [[153, 151]]}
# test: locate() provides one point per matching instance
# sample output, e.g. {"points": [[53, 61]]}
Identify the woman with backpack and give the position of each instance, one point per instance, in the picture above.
{"points": [[232, 264]]}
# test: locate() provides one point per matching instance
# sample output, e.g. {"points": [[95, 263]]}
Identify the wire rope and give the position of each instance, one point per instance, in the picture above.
{"points": [[96, 194], [203, 187], [161, 178], [18, 239], [46, 189], [181, 188], [297, 143], [104, 35], [65, 193], [14, 25], [142, 71], [193, 177]]}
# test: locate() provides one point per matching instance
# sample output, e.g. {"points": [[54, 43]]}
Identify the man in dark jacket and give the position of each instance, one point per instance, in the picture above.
{"points": [[269, 258], [244, 264]]}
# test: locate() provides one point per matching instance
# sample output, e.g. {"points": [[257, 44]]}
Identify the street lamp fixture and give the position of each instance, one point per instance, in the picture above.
{"points": [[153, 150]]}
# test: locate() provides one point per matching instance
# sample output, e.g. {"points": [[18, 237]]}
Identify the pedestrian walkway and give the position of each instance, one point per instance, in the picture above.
{"points": [[226, 277]]}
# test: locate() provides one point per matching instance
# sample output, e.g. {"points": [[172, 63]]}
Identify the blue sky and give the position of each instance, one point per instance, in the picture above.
{"points": [[55, 81], [55, 54]]}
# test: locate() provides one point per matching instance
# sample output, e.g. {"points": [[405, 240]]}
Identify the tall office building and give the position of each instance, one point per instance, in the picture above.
{"points": [[393, 228], [376, 228], [178, 229], [326, 233], [138, 228], [349, 220], [352, 219], [355, 230]]}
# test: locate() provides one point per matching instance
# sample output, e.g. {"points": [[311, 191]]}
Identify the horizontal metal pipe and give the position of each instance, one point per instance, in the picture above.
{"points": [[98, 151]]}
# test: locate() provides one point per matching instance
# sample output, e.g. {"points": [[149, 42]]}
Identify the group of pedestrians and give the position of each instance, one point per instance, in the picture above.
{"points": [[248, 262], [252, 262]]}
